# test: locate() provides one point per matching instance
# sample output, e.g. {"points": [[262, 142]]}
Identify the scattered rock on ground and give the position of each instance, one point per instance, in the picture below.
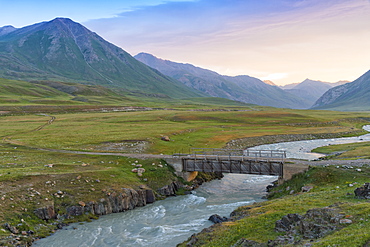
{"points": [[363, 192], [306, 188], [10, 228], [316, 223], [165, 138], [248, 243]]}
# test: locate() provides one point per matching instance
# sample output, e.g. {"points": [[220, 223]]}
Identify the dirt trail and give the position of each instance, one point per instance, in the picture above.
{"points": [[358, 162], [8, 139], [132, 155]]}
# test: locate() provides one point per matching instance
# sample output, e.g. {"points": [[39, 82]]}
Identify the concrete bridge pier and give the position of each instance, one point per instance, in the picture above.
{"points": [[176, 163], [293, 168]]}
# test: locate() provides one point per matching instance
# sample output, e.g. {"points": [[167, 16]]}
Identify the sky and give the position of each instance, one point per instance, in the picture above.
{"points": [[285, 41]]}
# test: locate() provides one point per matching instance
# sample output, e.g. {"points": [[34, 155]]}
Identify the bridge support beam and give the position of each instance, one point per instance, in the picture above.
{"points": [[235, 165]]}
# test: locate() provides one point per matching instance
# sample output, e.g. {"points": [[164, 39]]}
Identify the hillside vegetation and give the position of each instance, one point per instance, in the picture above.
{"points": [[332, 192], [63, 50], [14, 92]]}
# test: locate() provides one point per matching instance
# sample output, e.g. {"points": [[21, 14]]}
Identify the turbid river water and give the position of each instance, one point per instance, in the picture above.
{"points": [[169, 222], [302, 149]]}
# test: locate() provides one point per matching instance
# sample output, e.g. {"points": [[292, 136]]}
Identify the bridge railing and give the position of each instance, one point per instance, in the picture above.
{"points": [[248, 153], [278, 154]]}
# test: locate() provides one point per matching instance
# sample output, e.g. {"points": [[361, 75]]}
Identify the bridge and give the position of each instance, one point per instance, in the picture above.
{"points": [[260, 162]]}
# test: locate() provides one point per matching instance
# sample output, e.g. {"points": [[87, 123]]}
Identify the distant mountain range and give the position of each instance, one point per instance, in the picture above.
{"points": [[240, 88], [354, 96], [310, 90], [63, 50]]}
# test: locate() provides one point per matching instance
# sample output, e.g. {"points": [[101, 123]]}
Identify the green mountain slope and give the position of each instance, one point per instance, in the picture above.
{"points": [[62, 50], [55, 93], [240, 88], [354, 96]]}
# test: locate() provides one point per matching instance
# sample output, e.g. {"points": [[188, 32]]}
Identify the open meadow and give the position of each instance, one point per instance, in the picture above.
{"points": [[37, 161]]}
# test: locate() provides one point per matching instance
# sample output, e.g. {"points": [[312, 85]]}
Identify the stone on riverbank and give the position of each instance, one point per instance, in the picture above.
{"points": [[46, 213], [215, 218], [115, 202], [170, 190]]}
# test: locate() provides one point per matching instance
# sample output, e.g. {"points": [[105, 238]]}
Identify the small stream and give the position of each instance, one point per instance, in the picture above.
{"points": [[169, 222]]}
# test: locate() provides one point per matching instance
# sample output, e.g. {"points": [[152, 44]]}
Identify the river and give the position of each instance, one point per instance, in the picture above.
{"points": [[302, 149], [169, 222]]}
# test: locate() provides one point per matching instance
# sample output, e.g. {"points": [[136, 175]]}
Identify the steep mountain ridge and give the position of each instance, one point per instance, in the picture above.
{"points": [[352, 96], [241, 88], [63, 50]]}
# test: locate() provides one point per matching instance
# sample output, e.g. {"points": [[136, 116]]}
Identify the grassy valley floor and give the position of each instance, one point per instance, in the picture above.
{"points": [[33, 176]]}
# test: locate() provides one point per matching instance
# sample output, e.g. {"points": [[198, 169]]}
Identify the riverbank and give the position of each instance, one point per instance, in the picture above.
{"points": [[249, 142], [77, 188], [296, 211], [84, 195], [167, 222], [33, 180]]}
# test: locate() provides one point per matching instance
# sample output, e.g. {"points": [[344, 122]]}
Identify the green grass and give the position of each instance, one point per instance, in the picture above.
{"points": [[330, 187], [13, 92], [81, 177], [90, 127], [187, 129], [359, 150]]}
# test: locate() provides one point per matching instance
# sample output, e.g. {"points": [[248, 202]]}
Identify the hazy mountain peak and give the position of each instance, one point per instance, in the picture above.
{"points": [[6, 29], [240, 88], [308, 89], [268, 82]]}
